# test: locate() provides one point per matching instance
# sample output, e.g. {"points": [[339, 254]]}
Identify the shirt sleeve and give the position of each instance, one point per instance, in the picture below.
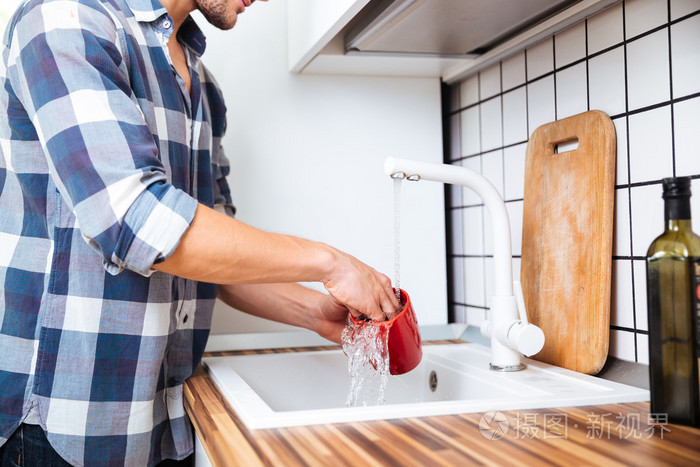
{"points": [[220, 163], [71, 76]]}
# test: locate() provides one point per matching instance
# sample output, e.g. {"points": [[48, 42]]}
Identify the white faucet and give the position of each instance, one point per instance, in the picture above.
{"points": [[508, 328]]}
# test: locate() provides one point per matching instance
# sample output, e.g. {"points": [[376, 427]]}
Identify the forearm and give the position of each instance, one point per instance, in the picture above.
{"points": [[222, 250], [286, 303]]}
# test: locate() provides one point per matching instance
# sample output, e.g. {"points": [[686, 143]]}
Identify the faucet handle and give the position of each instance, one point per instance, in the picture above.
{"points": [[528, 339]]}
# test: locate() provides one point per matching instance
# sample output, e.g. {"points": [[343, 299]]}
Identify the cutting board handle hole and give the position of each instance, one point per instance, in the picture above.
{"points": [[566, 145]]}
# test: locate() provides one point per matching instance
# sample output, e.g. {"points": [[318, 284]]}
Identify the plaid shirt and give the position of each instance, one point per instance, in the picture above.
{"points": [[104, 156]]}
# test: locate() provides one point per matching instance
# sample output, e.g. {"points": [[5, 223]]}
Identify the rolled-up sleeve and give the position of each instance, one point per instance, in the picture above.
{"points": [[72, 79]]}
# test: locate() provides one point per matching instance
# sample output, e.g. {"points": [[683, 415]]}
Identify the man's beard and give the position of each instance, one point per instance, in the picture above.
{"points": [[217, 13]]}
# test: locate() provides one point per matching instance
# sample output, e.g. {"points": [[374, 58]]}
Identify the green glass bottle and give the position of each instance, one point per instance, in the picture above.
{"points": [[673, 301]]}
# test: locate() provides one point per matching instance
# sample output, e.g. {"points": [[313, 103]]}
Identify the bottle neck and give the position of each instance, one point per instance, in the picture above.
{"points": [[677, 213]]}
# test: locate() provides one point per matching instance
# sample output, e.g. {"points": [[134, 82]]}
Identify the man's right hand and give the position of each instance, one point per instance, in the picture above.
{"points": [[362, 289]]}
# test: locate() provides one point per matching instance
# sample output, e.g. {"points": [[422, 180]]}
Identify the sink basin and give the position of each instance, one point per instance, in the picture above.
{"points": [[308, 388]]}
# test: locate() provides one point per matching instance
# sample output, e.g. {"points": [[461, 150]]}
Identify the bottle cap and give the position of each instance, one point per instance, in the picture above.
{"points": [[676, 187]]}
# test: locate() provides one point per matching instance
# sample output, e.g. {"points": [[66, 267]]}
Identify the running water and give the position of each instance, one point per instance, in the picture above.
{"points": [[368, 362], [397, 238], [366, 345]]}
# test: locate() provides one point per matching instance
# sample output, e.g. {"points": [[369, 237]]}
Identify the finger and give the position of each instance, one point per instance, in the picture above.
{"points": [[391, 294], [355, 313], [388, 288], [389, 308], [375, 309]]}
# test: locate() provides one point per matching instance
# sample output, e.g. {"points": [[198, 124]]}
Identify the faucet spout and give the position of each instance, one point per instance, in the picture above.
{"points": [[509, 335]]}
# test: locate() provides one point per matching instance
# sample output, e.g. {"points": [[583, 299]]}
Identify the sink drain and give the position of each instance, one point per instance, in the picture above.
{"points": [[432, 381]]}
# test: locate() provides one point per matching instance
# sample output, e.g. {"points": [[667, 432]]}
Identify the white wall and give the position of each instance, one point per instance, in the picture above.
{"points": [[6, 11], [307, 155]]}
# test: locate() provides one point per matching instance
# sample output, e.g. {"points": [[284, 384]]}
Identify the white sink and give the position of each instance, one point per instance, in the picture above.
{"points": [[308, 388]]}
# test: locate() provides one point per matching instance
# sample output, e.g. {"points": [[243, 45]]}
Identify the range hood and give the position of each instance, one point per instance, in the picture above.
{"points": [[444, 28]]}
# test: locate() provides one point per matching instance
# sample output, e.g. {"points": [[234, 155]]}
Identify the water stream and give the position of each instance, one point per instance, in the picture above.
{"points": [[368, 363], [365, 344], [397, 238]]}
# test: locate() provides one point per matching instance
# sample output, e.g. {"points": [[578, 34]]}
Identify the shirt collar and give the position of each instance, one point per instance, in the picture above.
{"points": [[192, 37], [148, 11]]}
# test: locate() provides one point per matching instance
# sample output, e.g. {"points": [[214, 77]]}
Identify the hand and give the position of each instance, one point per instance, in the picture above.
{"points": [[332, 318], [363, 290]]}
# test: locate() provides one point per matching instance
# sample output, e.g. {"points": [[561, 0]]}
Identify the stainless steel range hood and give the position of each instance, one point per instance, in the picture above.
{"points": [[445, 28]]}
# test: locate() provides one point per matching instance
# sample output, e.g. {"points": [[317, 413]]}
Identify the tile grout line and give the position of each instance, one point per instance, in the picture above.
{"points": [[670, 85], [554, 75], [588, 80], [629, 176]]}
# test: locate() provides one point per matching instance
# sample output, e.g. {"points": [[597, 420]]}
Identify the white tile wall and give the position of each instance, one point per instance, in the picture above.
{"points": [[514, 162], [473, 231], [686, 126], [570, 45], [642, 348], [606, 81], [643, 15], [650, 86], [650, 145], [474, 280], [455, 141], [622, 345], [571, 91], [621, 231], [647, 217], [488, 235], [622, 164], [621, 310], [515, 216], [490, 82], [469, 198], [681, 8], [458, 268], [640, 294], [469, 91], [605, 29], [457, 218], [471, 131], [491, 125], [540, 102], [513, 70], [488, 278], [515, 116], [492, 164], [540, 59], [648, 78], [685, 55]]}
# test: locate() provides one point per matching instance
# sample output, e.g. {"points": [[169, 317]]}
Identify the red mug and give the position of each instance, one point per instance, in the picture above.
{"points": [[404, 343]]}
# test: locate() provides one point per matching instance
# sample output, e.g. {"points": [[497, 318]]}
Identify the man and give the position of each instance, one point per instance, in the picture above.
{"points": [[110, 240]]}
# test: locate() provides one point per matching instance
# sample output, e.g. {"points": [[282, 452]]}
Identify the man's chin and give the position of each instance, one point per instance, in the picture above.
{"points": [[218, 14], [222, 23]]}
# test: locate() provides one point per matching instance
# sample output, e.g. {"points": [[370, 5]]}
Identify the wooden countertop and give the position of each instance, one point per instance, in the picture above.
{"points": [[618, 434]]}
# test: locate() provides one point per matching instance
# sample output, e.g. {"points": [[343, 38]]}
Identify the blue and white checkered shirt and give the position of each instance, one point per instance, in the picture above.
{"points": [[104, 156]]}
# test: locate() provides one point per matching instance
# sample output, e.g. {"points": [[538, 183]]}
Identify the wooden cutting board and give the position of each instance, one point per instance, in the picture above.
{"points": [[567, 239]]}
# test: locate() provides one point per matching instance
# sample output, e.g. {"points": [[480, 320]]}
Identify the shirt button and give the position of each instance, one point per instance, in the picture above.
{"points": [[184, 320], [167, 24]]}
